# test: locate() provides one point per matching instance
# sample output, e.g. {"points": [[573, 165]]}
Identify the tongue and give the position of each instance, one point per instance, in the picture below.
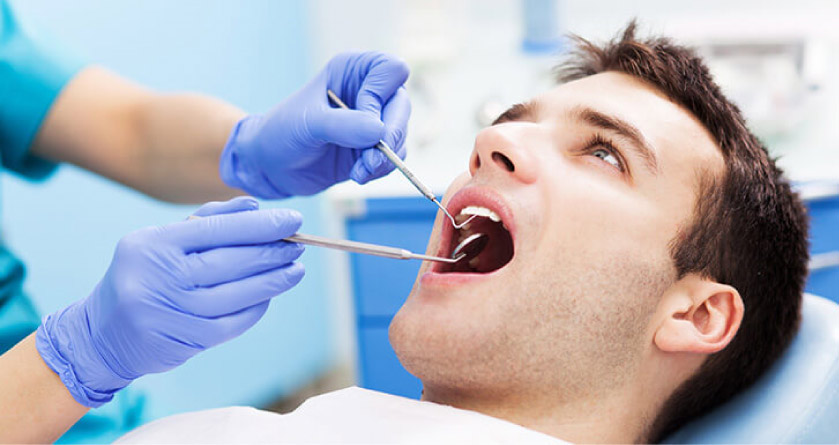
{"points": [[498, 251]]}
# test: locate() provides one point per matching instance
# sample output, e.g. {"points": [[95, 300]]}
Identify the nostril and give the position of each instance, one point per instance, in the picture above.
{"points": [[476, 161], [500, 159]]}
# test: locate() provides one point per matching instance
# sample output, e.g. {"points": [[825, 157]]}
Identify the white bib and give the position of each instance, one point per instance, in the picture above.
{"points": [[351, 415]]}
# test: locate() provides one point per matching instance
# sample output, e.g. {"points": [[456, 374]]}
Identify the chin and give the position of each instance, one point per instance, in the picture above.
{"points": [[444, 339], [451, 324]]}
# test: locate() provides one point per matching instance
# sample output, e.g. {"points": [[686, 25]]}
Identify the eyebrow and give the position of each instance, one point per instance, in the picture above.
{"points": [[526, 111], [639, 143]]}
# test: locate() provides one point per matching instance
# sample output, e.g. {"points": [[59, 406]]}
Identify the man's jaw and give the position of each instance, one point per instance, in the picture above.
{"points": [[495, 257]]}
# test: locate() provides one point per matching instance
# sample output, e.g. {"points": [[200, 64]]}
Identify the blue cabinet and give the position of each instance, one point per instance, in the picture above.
{"points": [[824, 247], [381, 285]]}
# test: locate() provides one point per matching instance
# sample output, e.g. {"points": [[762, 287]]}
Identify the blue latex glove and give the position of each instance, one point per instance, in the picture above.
{"points": [[306, 144], [171, 292]]}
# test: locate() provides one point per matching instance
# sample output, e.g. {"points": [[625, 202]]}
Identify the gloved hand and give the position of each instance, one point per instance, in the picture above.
{"points": [[171, 292], [306, 144]]}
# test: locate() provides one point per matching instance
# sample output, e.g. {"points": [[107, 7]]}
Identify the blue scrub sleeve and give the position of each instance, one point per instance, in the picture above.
{"points": [[31, 76]]}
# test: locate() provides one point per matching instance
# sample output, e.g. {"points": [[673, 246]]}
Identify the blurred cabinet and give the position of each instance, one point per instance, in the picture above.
{"points": [[823, 208], [381, 285]]}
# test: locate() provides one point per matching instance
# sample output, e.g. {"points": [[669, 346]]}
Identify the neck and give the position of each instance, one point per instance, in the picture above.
{"points": [[614, 417]]}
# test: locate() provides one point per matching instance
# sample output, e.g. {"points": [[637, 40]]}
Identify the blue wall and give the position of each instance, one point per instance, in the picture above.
{"points": [[250, 53]]}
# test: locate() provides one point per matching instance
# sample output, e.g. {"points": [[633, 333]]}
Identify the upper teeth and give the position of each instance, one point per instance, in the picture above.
{"points": [[481, 211]]}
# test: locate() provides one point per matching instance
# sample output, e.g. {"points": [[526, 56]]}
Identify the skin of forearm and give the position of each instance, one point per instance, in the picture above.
{"points": [[181, 137], [36, 407], [164, 145]]}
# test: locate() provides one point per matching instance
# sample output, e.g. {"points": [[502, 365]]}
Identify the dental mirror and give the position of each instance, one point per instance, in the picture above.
{"points": [[471, 247]]}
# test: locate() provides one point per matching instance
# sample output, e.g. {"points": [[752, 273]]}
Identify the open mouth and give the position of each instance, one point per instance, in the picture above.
{"points": [[499, 248]]}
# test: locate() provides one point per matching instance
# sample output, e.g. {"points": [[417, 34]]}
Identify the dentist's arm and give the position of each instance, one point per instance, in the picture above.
{"points": [[170, 292], [164, 145], [193, 148], [36, 408]]}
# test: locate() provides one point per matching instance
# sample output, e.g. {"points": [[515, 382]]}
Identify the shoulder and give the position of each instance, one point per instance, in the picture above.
{"points": [[214, 425]]}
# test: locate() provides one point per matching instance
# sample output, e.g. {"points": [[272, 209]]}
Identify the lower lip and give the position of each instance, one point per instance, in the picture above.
{"points": [[453, 279]]}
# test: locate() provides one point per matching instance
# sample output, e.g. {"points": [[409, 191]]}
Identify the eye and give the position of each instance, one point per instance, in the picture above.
{"points": [[607, 156], [600, 147]]}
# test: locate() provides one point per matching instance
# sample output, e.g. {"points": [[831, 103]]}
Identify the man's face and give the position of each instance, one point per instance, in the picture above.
{"points": [[593, 181]]}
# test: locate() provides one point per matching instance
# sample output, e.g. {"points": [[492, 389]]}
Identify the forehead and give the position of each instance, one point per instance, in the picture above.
{"points": [[681, 143]]}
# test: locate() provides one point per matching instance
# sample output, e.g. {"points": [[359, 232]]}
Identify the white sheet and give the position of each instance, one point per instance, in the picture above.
{"points": [[351, 415]]}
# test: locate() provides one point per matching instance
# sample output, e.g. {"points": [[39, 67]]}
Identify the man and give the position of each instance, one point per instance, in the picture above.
{"points": [[646, 262], [657, 264]]}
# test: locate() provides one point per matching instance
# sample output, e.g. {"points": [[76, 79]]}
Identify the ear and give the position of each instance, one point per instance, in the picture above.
{"points": [[698, 315]]}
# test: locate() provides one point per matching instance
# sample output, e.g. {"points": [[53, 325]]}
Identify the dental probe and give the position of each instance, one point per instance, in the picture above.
{"points": [[365, 248], [369, 249], [388, 152]]}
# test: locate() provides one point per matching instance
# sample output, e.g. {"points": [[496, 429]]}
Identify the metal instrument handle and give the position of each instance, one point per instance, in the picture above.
{"points": [[350, 246], [388, 152], [365, 248]]}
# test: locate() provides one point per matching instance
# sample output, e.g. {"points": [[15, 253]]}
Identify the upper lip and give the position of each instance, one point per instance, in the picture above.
{"points": [[474, 196]]}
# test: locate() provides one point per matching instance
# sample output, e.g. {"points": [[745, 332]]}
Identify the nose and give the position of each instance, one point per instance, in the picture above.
{"points": [[501, 150]]}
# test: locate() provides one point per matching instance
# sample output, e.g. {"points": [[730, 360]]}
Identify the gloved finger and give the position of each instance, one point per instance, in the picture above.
{"points": [[237, 204], [386, 74], [359, 172], [347, 128], [399, 141], [203, 333], [372, 164], [395, 140], [228, 327], [233, 296], [226, 264], [395, 116], [233, 229]]}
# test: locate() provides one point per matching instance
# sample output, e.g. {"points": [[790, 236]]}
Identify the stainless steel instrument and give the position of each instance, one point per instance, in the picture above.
{"points": [[365, 248], [394, 158]]}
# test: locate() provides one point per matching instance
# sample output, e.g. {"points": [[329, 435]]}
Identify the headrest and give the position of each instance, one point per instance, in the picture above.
{"points": [[796, 401]]}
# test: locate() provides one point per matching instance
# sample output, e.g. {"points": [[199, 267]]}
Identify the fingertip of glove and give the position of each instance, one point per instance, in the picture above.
{"points": [[376, 126], [296, 249], [247, 202], [353, 128], [396, 139], [287, 219], [290, 275], [359, 173], [399, 68], [297, 271], [373, 159], [392, 64]]}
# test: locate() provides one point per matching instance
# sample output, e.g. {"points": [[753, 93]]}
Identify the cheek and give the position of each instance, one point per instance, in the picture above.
{"points": [[591, 216]]}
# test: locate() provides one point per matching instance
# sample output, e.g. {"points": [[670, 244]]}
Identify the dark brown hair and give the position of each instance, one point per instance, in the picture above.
{"points": [[749, 228]]}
